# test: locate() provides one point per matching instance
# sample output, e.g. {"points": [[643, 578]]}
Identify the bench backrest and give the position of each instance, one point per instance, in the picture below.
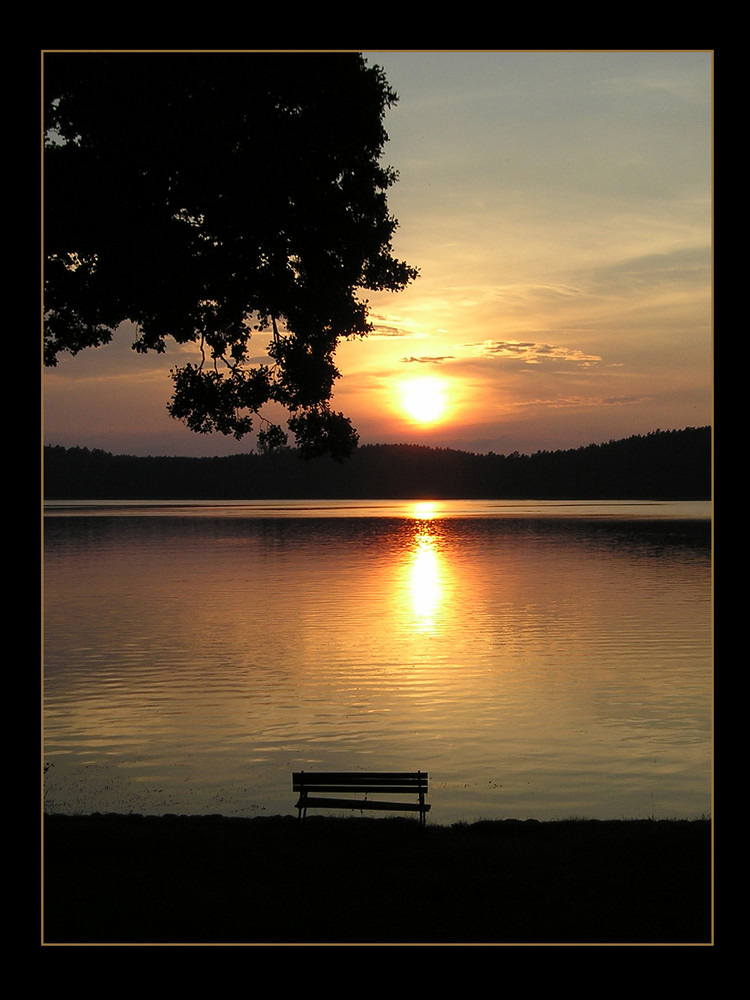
{"points": [[388, 782]]}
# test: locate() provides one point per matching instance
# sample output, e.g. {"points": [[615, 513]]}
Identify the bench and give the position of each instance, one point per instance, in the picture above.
{"points": [[362, 783]]}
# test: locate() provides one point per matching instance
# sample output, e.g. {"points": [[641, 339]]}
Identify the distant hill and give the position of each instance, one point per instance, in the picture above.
{"points": [[668, 465]]}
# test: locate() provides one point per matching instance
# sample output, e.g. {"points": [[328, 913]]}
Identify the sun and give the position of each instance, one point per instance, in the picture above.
{"points": [[425, 399]]}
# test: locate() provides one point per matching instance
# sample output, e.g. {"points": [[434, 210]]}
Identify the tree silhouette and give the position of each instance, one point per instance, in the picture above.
{"points": [[232, 200]]}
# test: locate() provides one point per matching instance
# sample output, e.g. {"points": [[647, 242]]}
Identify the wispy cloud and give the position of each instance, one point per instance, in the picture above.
{"points": [[388, 328], [531, 353], [581, 402], [429, 360], [381, 330], [689, 266]]}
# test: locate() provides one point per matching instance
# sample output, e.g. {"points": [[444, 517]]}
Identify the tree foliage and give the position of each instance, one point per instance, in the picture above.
{"points": [[664, 465], [232, 200]]}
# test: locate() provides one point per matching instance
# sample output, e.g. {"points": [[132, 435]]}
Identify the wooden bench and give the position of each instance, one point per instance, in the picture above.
{"points": [[314, 788]]}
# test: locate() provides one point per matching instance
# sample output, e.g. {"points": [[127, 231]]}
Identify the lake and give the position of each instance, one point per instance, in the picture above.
{"points": [[539, 660]]}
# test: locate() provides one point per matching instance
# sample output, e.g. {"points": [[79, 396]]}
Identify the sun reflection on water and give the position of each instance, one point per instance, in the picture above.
{"points": [[426, 572], [424, 510]]}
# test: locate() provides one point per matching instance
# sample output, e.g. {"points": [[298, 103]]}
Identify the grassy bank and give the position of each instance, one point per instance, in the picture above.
{"points": [[161, 880]]}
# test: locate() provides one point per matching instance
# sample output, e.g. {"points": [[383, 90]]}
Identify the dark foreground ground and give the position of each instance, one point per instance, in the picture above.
{"points": [[212, 880]]}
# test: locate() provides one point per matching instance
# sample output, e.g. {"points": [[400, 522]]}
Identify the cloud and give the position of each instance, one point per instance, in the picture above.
{"points": [[390, 327], [380, 330], [690, 266], [586, 402], [530, 353], [429, 360]]}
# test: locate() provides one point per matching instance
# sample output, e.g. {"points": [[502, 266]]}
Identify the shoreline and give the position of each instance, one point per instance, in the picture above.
{"points": [[133, 879]]}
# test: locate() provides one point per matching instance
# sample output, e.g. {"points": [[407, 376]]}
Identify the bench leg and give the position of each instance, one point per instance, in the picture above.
{"points": [[301, 808]]}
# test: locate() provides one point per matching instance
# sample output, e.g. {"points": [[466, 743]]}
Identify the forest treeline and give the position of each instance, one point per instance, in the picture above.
{"points": [[661, 465]]}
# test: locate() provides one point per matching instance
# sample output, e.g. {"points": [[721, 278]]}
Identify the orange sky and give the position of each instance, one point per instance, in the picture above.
{"points": [[559, 208]]}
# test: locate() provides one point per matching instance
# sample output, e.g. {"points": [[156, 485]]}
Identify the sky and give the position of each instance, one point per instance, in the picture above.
{"points": [[558, 205]]}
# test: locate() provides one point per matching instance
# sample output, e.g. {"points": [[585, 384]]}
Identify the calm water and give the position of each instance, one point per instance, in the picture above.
{"points": [[539, 660]]}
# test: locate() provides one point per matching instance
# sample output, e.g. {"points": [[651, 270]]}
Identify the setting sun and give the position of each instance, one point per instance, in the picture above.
{"points": [[424, 399]]}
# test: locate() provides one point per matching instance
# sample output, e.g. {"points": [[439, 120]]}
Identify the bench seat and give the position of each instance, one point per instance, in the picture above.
{"points": [[315, 790]]}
